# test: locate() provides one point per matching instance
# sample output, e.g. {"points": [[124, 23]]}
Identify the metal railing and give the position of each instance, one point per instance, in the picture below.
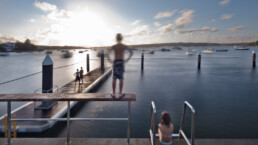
{"points": [[181, 132], [68, 119], [152, 124], [152, 130], [55, 87]]}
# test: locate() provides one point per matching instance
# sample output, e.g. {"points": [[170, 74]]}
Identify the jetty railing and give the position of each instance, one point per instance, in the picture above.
{"points": [[152, 123], [152, 130], [65, 97], [181, 132], [40, 90]]}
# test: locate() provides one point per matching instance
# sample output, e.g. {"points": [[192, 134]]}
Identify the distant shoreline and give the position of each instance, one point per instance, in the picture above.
{"points": [[43, 47]]}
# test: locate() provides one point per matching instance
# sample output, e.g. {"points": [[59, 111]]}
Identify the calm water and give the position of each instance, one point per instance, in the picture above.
{"points": [[224, 94]]}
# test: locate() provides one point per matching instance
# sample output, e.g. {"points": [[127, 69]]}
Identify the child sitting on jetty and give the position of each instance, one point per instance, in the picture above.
{"points": [[165, 129], [118, 63], [77, 76]]}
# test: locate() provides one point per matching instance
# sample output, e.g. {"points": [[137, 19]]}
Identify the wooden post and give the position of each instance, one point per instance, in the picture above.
{"points": [[88, 62], [199, 60], [102, 66], [142, 62], [254, 59]]}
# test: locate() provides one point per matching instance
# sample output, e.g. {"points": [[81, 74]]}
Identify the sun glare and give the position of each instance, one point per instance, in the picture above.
{"points": [[85, 28]]}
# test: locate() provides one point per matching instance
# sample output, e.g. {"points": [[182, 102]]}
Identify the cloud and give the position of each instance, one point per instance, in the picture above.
{"points": [[139, 31], [136, 22], [54, 12], [234, 29], [157, 24], [45, 6], [32, 20], [57, 15], [165, 14], [226, 16], [166, 28], [191, 31], [7, 39], [213, 20], [185, 18], [224, 2]]}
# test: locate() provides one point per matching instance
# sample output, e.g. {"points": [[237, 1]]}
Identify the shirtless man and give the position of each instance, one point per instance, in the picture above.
{"points": [[118, 63]]}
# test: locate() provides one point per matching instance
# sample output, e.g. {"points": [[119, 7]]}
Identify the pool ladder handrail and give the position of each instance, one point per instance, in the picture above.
{"points": [[181, 132], [152, 130]]}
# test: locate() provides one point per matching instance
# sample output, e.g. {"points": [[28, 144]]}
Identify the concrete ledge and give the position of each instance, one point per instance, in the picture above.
{"points": [[122, 141]]}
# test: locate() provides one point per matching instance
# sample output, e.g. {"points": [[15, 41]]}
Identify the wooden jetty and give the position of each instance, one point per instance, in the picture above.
{"points": [[91, 81]]}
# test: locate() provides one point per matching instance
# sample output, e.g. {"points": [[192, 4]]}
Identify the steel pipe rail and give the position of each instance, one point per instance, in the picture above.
{"points": [[152, 123], [181, 132], [71, 119], [84, 97]]}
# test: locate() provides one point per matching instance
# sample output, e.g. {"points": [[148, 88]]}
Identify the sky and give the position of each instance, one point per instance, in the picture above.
{"points": [[96, 22]]}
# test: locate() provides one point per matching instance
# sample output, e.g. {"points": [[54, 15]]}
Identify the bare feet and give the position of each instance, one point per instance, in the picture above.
{"points": [[113, 95], [121, 95]]}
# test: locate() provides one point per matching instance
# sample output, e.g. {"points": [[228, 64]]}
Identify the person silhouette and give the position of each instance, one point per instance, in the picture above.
{"points": [[118, 63]]}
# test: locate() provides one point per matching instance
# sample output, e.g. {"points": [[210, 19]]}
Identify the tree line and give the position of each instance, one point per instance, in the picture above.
{"points": [[26, 46], [252, 43]]}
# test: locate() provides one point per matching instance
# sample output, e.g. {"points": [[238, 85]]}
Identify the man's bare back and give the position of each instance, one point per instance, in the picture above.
{"points": [[119, 51]]}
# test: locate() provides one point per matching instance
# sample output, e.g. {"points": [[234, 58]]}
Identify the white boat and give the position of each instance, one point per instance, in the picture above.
{"points": [[133, 48], [67, 54], [207, 51], [4, 54], [165, 49], [189, 53], [221, 50], [242, 48], [48, 52], [177, 48]]}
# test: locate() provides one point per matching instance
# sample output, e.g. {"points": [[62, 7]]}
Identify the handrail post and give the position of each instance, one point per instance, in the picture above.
{"points": [[9, 122], [193, 128], [154, 131], [68, 123], [182, 120], [128, 129]]}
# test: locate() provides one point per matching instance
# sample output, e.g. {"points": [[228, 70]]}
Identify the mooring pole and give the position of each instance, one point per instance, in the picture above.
{"points": [[88, 62], [199, 60], [254, 59], [102, 66], [142, 62]]}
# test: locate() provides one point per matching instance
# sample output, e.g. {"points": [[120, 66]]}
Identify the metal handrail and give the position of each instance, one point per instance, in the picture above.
{"points": [[181, 132], [68, 119], [54, 88], [152, 124]]}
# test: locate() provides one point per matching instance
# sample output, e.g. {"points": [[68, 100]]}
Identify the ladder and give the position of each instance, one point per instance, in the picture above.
{"points": [[181, 133]]}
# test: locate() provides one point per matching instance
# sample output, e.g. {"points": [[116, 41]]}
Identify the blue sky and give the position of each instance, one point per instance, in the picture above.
{"points": [[95, 22]]}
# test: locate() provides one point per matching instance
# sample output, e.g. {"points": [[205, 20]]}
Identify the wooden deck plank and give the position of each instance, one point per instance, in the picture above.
{"points": [[67, 97]]}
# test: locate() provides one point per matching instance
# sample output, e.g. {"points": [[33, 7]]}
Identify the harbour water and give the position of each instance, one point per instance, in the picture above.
{"points": [[223, 92]]}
